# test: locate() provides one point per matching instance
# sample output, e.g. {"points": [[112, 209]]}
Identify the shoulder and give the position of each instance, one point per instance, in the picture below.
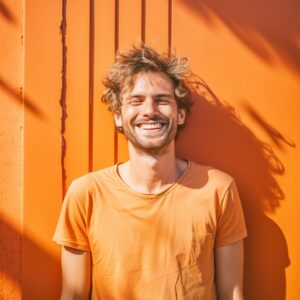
{"points": [[215, 179], [88, 183]]}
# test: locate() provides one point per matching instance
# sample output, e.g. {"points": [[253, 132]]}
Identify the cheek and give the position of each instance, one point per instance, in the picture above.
{"points": [[168, 111], [173, 115], [128, 114]]}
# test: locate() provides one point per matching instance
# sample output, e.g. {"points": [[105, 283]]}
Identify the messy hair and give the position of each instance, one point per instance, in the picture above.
{"points": [[143, 59]]}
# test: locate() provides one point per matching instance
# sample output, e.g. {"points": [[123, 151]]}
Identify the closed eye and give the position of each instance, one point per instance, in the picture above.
{"points": [[163, 100], [135, 101]]}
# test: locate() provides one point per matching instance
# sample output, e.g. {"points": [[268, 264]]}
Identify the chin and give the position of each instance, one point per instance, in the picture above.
{"points": [[151, 148], [150, 144]]}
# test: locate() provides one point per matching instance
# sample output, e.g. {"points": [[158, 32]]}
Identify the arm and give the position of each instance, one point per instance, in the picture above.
{"points": [[75, 274], [229, 271]]}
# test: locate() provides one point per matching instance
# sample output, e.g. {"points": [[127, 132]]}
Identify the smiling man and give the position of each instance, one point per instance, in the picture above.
{"points": [[149, 115], [157, 226]]}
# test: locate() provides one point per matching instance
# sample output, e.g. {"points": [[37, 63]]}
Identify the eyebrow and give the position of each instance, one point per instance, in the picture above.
{"points": [[157, 95], [163, 95]]}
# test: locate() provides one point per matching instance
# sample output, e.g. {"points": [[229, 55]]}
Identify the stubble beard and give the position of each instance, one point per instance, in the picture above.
{"points": [[151, 149]]}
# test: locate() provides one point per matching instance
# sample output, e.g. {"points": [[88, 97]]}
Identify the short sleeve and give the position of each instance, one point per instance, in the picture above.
{"points": [[71, 229], [231, 224]]}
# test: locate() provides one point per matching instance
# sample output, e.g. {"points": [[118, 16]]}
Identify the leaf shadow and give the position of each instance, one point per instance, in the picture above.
{"points": [[265, 27], [16, 95], [6, 13], [216, 136]]}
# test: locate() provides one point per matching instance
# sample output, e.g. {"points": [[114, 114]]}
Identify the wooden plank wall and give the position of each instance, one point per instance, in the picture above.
{"points": [[42, 188], [94, 33], [11, 131], [246, 123]]}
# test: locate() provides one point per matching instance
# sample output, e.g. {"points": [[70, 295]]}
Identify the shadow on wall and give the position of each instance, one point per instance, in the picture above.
{"points": [[265, 27], [17, 96], [6, 13], [216, 136], [45, 270], [16, 93]]}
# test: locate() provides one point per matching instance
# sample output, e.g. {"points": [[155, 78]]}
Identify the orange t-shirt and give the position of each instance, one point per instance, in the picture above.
{"points": [[152, 246]]}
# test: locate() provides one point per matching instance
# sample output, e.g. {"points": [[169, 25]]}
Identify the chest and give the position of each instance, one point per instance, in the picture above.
{"points": [[129, 235]]}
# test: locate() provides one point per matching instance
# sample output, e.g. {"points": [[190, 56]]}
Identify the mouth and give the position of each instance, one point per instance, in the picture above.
{"points": [[151, 128], [151, 125]]}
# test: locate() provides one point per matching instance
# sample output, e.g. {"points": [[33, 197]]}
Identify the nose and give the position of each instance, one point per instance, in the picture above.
{"points": [[149, 107]]}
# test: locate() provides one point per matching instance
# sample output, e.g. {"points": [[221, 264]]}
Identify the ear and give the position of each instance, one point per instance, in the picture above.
{"points": [[181, 116], [118, 120]]}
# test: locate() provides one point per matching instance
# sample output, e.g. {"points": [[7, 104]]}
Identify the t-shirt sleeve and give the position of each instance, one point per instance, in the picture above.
{"points": [[72, 226], [231, 224]]}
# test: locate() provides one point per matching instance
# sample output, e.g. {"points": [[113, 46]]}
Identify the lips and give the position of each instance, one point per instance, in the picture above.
{"points": [[156, 122], [150, 126]]}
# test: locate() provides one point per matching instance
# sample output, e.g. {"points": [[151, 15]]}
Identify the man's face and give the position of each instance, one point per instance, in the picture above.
{"points": [[149, 114]]}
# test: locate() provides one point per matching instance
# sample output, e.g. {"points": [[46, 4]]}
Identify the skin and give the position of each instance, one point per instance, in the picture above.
{"points": [[149, 117], [76, 278], [230, 284]]}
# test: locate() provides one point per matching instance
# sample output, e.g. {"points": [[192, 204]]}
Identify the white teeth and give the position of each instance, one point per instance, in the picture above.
{"points": [[150, 125]]}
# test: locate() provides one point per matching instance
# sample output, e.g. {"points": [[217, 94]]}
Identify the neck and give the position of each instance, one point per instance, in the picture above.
{"points": [[151, 173]]}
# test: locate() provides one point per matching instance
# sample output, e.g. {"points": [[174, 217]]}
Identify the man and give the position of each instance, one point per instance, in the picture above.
{"points": [[157, 226]]}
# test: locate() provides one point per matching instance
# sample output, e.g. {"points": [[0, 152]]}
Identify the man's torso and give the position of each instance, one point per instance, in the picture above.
{"points": [[154, 246]]}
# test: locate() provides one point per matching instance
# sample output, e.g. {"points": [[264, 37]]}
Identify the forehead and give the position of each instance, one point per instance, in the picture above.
{"points": [[150, 82]]}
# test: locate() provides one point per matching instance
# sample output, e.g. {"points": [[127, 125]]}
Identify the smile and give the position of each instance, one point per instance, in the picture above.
{"points": [[150, 125]]}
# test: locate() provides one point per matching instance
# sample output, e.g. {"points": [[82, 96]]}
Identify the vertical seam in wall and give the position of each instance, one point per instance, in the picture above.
{"points": [[91, 83], [116, 145], [62, 101], [143, 22], [23, 28], [170, 26]]}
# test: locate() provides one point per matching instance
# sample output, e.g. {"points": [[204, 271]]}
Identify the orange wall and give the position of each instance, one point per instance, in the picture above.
{"points": [[245, 123], [42, 149], [251, 61], [11, 158]]}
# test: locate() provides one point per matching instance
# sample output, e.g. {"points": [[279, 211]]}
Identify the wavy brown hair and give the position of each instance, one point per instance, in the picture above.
{"points": [[142, 59]]}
